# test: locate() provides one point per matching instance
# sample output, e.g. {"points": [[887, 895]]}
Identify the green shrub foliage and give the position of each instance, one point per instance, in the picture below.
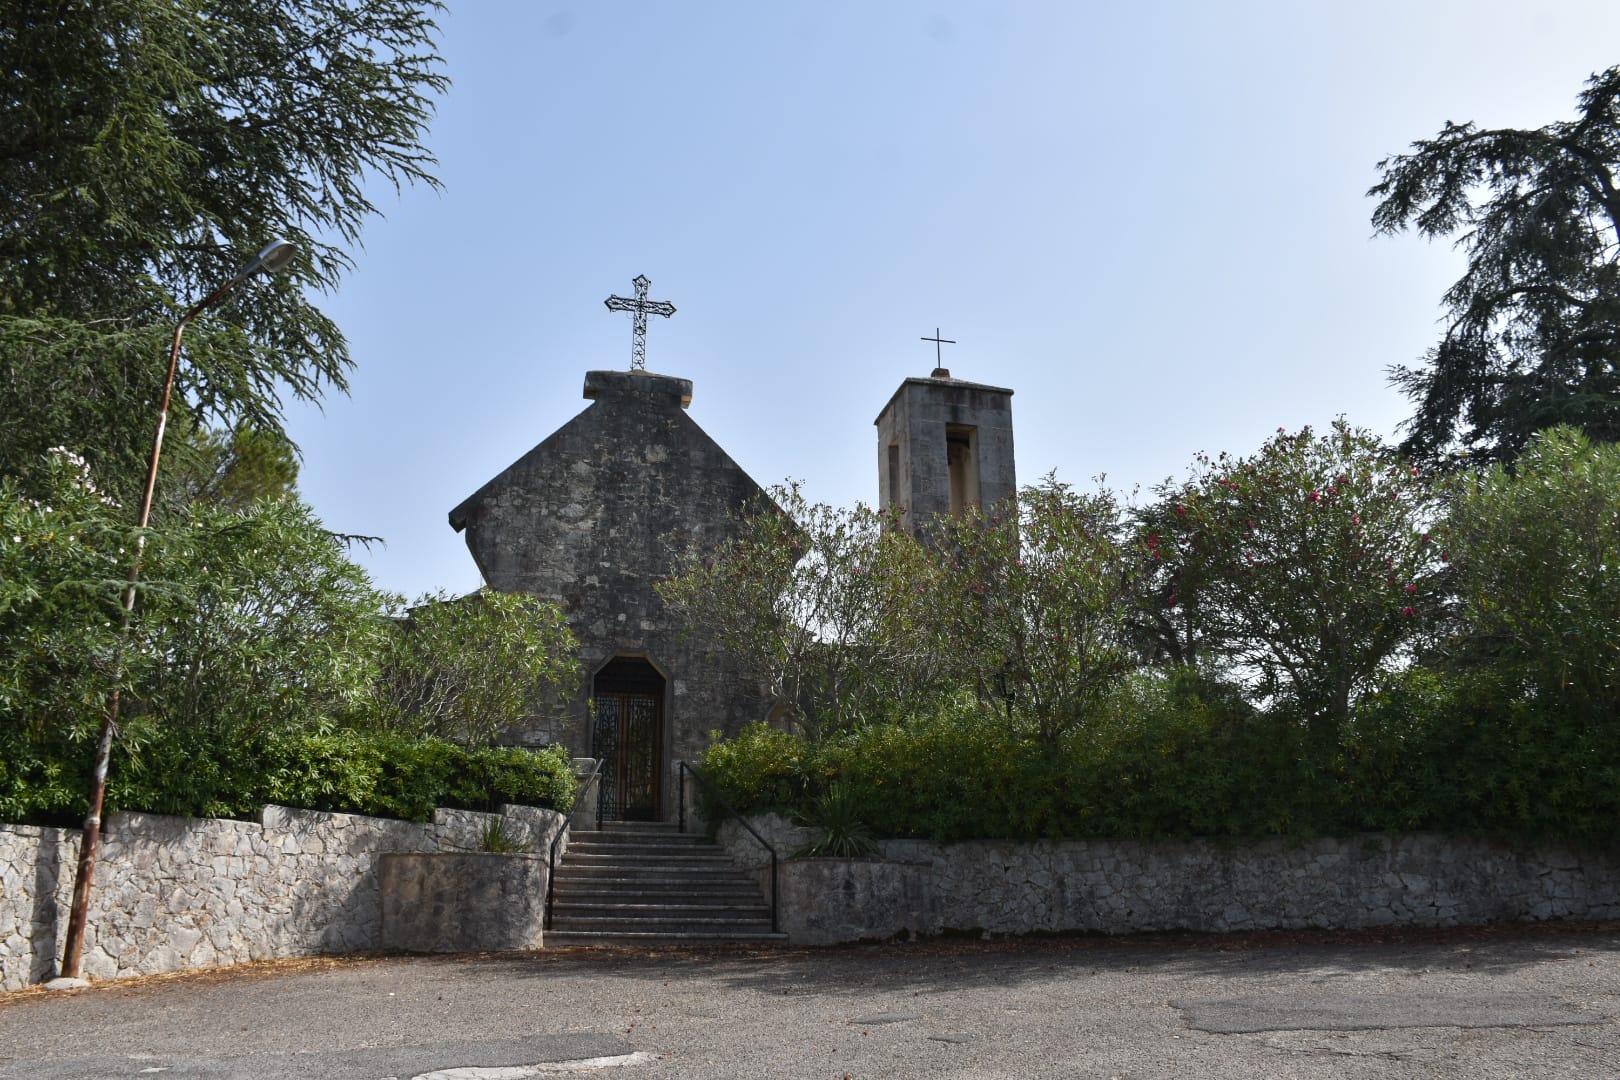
{"points": [[1536, 553], [1305, 570], [246, 621], [1176, 758], [250, 672], [185, 773], [1316, 639], [469, 668], [851, 620], [1029, 604], [820, 605]]}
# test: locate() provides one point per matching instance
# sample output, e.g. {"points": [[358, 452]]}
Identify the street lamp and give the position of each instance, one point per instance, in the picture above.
{"points": [[273, 259]]}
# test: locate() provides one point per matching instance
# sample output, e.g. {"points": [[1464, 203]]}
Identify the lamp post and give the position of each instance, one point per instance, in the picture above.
{"points": [[273, 259]]}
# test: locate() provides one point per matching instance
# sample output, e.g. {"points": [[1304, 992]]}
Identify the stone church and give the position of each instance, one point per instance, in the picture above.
{"points": [[602, 508]]}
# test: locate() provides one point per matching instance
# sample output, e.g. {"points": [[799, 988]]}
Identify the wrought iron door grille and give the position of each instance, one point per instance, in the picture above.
{"points": [[628, 734]]}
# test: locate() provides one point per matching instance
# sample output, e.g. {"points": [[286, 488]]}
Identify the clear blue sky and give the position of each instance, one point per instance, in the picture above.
{"points": [[1149, 220]]}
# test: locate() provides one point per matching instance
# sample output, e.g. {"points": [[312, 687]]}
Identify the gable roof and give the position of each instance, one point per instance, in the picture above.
{"points": [[636, 418]]}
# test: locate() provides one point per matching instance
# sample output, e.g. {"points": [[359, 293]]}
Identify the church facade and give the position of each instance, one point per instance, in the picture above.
{"points": [[590, 519], [602, 509]]}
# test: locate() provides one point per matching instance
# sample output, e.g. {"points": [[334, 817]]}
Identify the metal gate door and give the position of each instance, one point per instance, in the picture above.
{"points": [[628, 735]]}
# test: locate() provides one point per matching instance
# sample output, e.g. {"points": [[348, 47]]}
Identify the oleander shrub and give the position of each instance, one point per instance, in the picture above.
{"points": [[1307, 570]]}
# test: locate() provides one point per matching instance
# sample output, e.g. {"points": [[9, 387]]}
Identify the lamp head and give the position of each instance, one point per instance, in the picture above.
{"points": [[272, 260]]}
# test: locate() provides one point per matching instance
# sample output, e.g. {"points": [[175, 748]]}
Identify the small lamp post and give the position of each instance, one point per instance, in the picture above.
{"points": [[273, 259]]}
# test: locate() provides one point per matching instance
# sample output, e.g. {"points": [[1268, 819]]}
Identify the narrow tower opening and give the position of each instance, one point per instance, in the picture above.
{"points": [[962, 459], [891, 494]]}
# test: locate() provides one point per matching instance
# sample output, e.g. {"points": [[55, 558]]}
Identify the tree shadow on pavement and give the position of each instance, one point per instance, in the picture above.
{"points": [[947, 963]]}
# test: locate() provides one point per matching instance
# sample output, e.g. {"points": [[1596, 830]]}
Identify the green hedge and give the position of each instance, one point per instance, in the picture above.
{"points": [[191, 773], [1173, 758]]}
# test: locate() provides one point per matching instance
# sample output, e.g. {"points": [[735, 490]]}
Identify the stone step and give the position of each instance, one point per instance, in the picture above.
{"points": [[620, 872], [596, 855], [597, 880], [640, 846], [712, 899], [668, 924], [673, 858], [640, 892], [648, 883], [636, 894], [651, 828], [632, 909], [700, 864], [629, 842], [565, 938]]}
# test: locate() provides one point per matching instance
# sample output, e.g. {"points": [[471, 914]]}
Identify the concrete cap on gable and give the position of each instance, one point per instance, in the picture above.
{"points": [[644, 384]]}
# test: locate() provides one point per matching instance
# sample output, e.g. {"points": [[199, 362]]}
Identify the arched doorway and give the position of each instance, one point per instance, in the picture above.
{"points": [[628, 735]]}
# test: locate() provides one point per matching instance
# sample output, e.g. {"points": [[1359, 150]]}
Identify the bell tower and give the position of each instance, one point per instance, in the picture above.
{"points": [[944, 445]]}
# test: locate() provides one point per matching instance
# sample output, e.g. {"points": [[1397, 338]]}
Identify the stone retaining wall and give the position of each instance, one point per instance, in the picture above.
{"points": [[914, 887], [174, 893], [462, 901]]}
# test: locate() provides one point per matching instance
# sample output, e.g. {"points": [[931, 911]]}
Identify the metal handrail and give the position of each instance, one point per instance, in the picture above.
{"points": [[551, 864], [721, 799]]}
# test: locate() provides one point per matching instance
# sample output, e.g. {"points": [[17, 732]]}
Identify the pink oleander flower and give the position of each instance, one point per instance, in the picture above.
{"points": [[1408, 612]]}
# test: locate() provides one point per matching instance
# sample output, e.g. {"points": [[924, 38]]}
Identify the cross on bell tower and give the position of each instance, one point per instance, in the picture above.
{"points": [[940, 371], [640, 308]]}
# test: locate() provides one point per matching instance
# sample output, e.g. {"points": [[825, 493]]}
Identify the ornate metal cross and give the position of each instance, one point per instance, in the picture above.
{"points": [[640, 308]]}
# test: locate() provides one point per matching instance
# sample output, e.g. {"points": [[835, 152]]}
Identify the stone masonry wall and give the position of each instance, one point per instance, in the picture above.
{"points": [[1110, 886], [174, 893]]}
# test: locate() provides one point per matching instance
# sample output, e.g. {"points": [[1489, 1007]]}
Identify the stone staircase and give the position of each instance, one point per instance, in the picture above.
{"points": [[643, 883]]}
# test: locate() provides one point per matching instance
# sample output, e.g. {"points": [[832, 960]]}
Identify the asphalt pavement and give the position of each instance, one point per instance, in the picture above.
{"points": [[1500, 1002]]}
